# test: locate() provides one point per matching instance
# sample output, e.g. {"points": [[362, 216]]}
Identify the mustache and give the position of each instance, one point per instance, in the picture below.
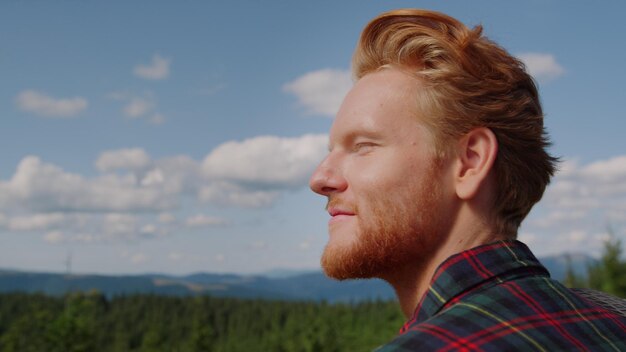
{"points": [[338, 203]]}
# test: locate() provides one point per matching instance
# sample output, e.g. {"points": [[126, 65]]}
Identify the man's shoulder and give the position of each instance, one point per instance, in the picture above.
{"points": [[531, 313]]}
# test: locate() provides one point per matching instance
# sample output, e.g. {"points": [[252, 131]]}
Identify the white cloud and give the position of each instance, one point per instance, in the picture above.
{"points": [[129, 159], [581, 200], [543, 67], [39, 186], [176, 256], [304, 245], [137, 107], [558, 217], [201, 220], [153, 177], [159, 68], [34, 222], [260, 244], [149, 230], [321, 92], [157, 119], [54, 237], [267, 160], [139, 258], [249, 173], [179, 174], [43, 105], [567, 168], [166, 218], [85, 227], [577, 236], [613, 169], [225, 193], [107, 227], [120, 225], [528, 238], [601, 184], [135, 196]]}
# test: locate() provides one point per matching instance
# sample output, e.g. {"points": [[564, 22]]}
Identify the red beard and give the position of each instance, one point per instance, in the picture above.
{"points": [[398, 230]]}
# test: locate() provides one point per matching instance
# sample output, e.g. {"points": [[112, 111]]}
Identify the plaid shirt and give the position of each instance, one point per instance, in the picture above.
{"points": [[498, 297]]}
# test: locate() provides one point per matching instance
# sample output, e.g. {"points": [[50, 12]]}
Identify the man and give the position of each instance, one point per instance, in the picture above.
{"points": [[435, 157]]}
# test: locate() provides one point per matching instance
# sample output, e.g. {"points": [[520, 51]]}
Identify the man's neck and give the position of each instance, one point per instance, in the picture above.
{"points": [[411, 282]]}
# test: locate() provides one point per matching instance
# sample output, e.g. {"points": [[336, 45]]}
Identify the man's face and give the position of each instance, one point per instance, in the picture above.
{"points": [[386, 191]]}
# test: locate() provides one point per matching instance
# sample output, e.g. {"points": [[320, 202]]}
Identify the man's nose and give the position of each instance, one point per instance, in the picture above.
{"points": [[327, 179]]}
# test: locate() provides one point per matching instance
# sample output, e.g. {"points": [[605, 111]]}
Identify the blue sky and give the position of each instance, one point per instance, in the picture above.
{"points": [[177, 137]]}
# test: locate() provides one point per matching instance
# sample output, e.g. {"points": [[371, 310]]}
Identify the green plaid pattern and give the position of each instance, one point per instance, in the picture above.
{"points": [[498, 297]]}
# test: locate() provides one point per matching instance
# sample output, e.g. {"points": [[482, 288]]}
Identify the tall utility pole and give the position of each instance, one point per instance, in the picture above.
{"points": [[68, 263]]}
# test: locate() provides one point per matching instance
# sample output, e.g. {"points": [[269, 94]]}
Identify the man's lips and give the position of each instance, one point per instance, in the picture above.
{"points": [[335, 212], [338, 214]]}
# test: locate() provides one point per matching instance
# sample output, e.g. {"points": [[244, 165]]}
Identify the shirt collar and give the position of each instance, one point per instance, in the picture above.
{"points": [[472, 268]]}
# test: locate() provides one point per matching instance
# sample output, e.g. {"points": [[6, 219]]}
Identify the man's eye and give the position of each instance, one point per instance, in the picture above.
{"points": [[364, 147]]}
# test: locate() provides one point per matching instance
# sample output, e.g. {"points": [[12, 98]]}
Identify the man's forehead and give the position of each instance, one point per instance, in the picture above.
{"points": [[379, 102]]}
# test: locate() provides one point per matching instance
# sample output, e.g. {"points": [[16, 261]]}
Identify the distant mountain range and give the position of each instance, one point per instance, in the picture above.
{"points": [[279, 284]]}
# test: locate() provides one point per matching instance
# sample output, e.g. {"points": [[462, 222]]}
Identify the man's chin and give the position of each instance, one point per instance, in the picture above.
{"points": [[341, 274], [341, 264]]}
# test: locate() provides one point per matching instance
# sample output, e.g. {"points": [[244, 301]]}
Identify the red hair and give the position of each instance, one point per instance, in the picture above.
{"points": [[469, 82]]}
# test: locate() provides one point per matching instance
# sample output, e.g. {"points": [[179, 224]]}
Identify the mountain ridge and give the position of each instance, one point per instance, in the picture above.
{"points": [[302, 285]]}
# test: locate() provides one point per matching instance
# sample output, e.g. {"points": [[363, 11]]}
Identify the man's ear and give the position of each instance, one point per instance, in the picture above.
{"points": [[476, 153]]}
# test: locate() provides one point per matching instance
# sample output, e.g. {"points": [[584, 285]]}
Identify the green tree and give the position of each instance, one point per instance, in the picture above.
{"points": [[27, 333], [136, 323], [203, 338], [571, 278], [75, 329], [609, 274]]}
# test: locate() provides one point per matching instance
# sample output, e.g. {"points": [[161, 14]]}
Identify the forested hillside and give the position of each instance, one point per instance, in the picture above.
{"points": [[91, 322], [142, 322]]}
